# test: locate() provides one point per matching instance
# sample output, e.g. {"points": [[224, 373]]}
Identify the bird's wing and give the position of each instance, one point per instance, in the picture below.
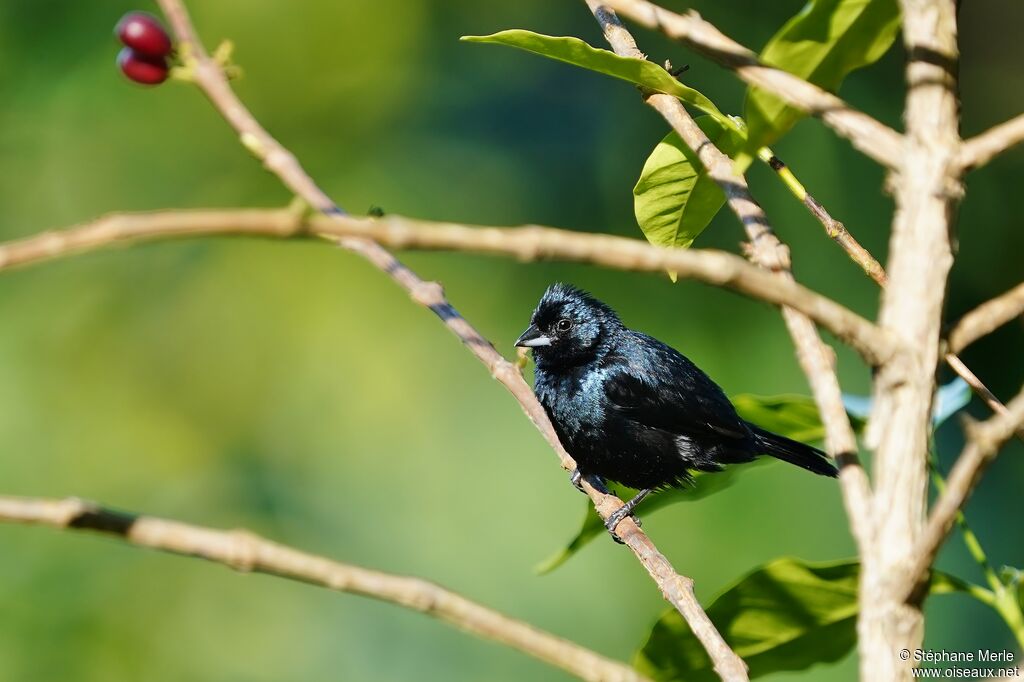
{"points": [[656, 386]]}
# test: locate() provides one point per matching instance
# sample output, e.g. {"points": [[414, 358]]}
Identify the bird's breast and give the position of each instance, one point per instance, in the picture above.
{"points": [[573, 400]]}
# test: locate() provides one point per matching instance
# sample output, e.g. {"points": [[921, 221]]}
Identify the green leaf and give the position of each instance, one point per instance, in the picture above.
{"points": [[675, 199], [792, 416], [578, 53], [822, 44], [945, 583], [785, 615]]}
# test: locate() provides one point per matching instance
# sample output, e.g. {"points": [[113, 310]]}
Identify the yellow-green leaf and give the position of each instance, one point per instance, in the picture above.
{"points": [[822, 44], [578, 53], [675, 199]]}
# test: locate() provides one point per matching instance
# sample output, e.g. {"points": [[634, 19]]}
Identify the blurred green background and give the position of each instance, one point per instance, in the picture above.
{"points": [[291, 389]]}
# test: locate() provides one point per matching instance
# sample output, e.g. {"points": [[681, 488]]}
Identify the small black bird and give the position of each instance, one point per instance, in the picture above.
{"points": [[630, 409]]}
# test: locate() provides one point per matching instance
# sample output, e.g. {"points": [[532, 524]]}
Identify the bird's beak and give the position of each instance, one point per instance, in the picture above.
{"points": [[532, 338]]}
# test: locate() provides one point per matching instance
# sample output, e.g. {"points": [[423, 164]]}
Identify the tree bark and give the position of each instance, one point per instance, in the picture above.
{"points": [[926, 190]]}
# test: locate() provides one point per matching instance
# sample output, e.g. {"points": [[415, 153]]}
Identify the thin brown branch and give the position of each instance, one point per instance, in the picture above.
{"points": [[878, 141], [526, 243], [981, 149], [979, 388], [835, 229], [983, 442], [209, 76], [248, 553], [986, 318], [840, 235], [816, 359]]}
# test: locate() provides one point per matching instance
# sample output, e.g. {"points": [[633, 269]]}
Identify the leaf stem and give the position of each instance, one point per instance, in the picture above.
{"points": [[982, 594], [834, 228], [1008, 606], [970, 539]]}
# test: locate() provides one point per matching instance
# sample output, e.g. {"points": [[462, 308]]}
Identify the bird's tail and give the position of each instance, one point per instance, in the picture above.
{"points": [[804, 456]]}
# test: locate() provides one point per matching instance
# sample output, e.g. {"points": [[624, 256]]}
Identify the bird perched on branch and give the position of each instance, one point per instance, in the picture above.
{"points": [[630, 409]]}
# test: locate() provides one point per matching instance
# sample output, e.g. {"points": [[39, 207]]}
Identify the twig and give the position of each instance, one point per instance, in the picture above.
{"points": [[527, 243], [986, 318], [878, 141], [677, 589], [815, 358], [981, 149], [246, 552], [983, 442], [209, 75], [833, 228], [979, 388], [872, 268]]}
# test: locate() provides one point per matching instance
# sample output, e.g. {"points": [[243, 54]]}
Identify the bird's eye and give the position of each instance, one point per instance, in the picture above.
{"points": [[563, 325]]}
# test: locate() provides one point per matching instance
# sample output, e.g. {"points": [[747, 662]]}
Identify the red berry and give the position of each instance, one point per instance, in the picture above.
{"points": [[144, 33], [141, 68]]}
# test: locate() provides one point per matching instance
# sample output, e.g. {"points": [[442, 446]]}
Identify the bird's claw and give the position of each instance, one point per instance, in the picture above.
{"points": [[576, 478], [596, 482], [612, 522]]}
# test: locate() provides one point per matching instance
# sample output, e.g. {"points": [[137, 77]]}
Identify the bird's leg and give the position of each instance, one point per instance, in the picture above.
{"points": [[626, 510]]}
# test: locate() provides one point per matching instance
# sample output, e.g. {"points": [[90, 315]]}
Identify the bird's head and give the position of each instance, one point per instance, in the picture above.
{"points": [[568, 327]]}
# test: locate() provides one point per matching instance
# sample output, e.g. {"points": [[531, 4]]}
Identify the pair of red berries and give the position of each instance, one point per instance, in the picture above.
{"points": [[147, 46]]}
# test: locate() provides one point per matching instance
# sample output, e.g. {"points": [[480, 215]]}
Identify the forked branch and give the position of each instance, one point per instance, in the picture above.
{"points": [[873, 269]]}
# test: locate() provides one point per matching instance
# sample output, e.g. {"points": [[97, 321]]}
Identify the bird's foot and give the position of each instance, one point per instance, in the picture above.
{"points": [[596, 482], [576, 478], [612, 522], [626, 510]]}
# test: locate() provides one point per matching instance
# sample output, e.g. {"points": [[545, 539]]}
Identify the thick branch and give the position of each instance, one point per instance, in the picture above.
{"points": [[878, 141], [678, 590], [983, 442], [815, 357], [926, 191], [986, 318], [979, 150], [246, 552], [524, 243]]}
